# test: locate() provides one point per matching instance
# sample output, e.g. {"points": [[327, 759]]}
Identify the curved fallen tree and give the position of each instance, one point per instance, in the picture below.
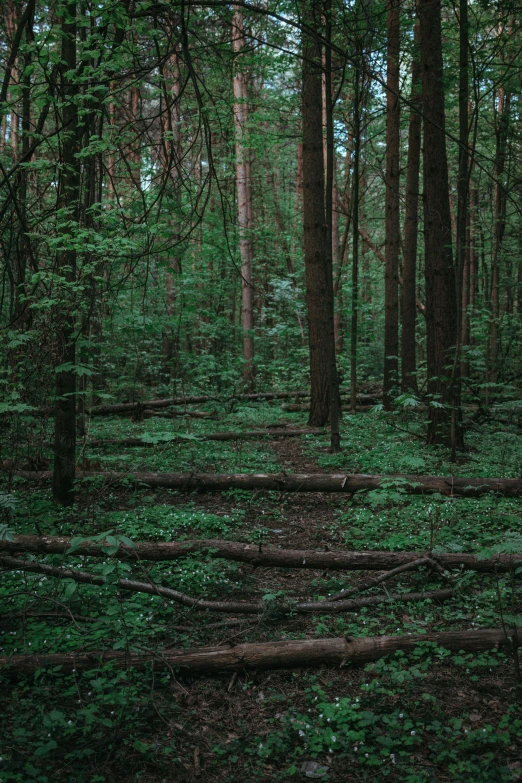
{"points": [[305, 482], [257, 555], [240, 607], [265, 655]]}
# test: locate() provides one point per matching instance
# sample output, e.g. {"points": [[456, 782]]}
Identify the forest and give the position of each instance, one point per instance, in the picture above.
{"points": [[261, 391]]}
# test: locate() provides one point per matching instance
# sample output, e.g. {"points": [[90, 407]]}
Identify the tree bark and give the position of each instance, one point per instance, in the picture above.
{"points": [[305, 482], [441, 306], [69, 197], [411, 228], [392, 208], [244, 198], [264, 655], [259, 556]]}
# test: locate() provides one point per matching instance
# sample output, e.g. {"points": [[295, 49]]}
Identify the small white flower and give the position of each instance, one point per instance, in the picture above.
{"points": [[401, 715], [355, 748], [412, 733], [260, 744], [301, 733], [334, 739]]}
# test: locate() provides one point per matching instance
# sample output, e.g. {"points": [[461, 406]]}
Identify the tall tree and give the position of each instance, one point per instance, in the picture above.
{"points": [[392, 205], [441, 310], [69, 198], [411, 229], [319, 290], [335, 440], [462, 270], [244, 197]]}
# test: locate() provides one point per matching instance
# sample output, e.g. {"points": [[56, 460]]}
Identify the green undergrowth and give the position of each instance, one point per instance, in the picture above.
{"points": [[393, 443], [91, 726], [394, 727]]}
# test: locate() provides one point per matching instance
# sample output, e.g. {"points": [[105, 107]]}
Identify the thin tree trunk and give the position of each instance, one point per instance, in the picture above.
{"points": [[392, 207], [65, 388], [244, 199], [441, 314], [355, 246], [499, 226], [411, 229], [335, 402], [462, 222]]}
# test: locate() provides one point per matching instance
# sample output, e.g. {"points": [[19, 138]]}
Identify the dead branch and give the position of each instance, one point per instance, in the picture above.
{"points": [[240, 607]]}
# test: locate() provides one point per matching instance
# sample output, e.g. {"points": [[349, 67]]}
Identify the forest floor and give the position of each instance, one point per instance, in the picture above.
{"points": [[426, 716]]}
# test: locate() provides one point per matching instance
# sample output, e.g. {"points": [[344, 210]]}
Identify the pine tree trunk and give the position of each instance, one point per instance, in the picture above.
{"points": [[318, 298], [244, 201], [441, 311], [411, 229], [392, 206]]}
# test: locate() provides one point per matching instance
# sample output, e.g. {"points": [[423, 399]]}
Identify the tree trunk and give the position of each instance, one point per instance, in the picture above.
{"points": [[264, 655], [319, 298], [244, 198], [392, 207], [441, 310], [256, 556], [69, 196], [305, 482], [411, 228]]}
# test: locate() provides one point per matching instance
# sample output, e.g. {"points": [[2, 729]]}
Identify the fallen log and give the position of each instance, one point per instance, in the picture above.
{"points": [[297, 407], [305, 482], [148, 413], [240, 607], [257, 555], [130, 407], [217, 436], [264, 655]]}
